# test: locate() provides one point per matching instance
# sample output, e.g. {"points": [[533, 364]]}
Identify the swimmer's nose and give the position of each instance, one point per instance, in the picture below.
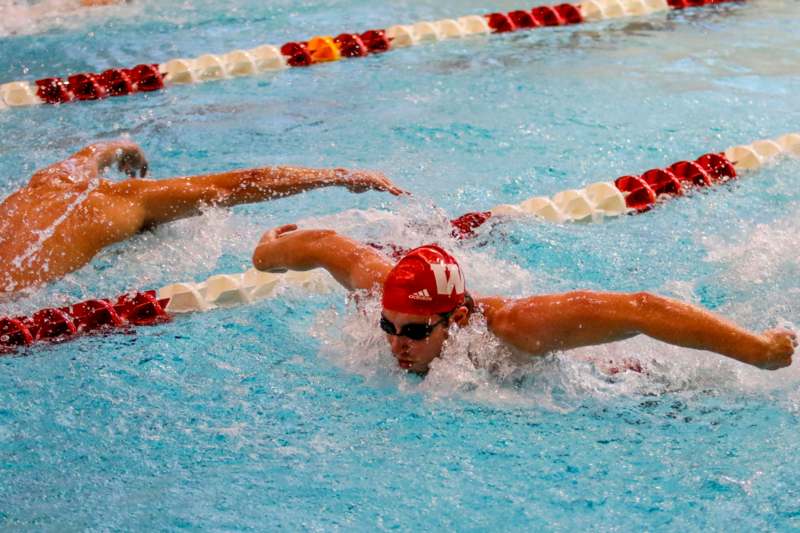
{"points": [[397, 343]]}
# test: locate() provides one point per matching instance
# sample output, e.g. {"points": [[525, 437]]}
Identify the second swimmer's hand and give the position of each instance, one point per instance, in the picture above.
{"points": [[266, 257], [780, 346], [286, 247], [363, 180]]}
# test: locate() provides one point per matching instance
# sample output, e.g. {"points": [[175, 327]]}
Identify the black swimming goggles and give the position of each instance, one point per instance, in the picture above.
{"points": [[414, 331]]}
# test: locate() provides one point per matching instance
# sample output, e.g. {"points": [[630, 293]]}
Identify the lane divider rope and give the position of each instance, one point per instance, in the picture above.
{"points": [[319, 49], [150, 307], [637, 194]]}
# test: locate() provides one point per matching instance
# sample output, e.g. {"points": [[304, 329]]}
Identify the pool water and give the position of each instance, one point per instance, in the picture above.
{"points": [[288, 413]]}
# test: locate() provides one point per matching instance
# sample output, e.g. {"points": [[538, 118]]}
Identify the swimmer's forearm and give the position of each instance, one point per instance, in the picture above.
{"points": [[583, 318], [266, 183], [170, 199], [689, 326], [173, 198], [352, 264]]}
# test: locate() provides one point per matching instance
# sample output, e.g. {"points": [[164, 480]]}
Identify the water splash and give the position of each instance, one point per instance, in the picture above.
{"points": [[19, 18]]}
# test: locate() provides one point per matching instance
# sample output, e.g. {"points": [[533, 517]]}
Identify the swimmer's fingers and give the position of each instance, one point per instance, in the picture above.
{"points": [[132, 162], [362, 181], [286, 228], [788, 334], [385, 184], [395, 190], [781, 344], [275, 233], [792, 337]]}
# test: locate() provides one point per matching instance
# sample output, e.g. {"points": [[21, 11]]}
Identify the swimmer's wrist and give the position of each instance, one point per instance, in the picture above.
{"points": [[752, 351], [339, 176]]}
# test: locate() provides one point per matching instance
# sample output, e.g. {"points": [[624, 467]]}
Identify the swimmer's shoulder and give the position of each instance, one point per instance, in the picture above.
{"points": [[490, 306]]}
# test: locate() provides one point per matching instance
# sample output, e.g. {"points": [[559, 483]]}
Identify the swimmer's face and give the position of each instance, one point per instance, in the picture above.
{"points": [[416, 355]]}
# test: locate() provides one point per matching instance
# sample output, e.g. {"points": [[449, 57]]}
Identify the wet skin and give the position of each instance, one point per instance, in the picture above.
{"points": [[68, 212], [533, 325]]}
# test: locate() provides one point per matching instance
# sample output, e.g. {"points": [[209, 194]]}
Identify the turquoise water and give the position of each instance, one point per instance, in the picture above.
{"points": [[288, 414]]}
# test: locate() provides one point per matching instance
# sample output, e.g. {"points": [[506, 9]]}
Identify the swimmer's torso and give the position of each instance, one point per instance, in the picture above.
{"points": [[48, 230]]}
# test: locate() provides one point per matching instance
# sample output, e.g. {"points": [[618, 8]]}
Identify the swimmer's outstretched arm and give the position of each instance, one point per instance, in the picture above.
{"points": [[174, 198], [541, 324], [352, 264]]}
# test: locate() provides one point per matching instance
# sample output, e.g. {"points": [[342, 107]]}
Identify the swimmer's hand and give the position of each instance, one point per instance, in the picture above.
{"points": [[122, 153], [779, 348], [359, 181], [286, 247], [130, 159]]}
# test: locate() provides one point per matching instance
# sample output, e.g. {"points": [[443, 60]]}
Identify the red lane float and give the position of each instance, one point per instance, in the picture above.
{"points": [[502, 23], [149, 77], [117, 82], [638, 194], [351, 45], [548, 16], [521, 19], [681, 4], [297, 54], [61, 323], [662, 182], [465, 225], [91, 86], [53, 91], [376, 41]]}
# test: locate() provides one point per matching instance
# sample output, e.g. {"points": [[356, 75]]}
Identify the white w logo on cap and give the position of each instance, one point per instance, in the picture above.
{"points": [[446, 283]]}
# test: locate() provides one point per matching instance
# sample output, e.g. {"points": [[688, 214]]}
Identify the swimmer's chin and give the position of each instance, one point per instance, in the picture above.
{"points": [[408, 366]]}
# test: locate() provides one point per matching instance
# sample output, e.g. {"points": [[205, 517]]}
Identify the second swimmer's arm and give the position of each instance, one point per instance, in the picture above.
{"points": [[352, 264], [174, 198], [258, 184], [559, 322]]}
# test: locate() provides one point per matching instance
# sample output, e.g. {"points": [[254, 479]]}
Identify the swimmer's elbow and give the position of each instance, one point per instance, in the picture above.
{"points": [[645, 304], [643, 299]]}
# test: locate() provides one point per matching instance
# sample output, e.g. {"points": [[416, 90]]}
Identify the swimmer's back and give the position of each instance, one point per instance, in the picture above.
{"points": [[48, 230]]}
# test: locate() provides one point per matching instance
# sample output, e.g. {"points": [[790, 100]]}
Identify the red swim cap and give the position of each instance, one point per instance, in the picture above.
{"points": [[426, 281]]}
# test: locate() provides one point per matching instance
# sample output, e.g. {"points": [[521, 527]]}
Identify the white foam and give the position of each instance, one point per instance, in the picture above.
{"points": [[757, 257], [17, 18]]}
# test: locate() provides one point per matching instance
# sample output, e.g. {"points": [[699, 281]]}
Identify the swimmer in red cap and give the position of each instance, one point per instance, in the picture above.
{"points": [[68, 212], [424, 296]]}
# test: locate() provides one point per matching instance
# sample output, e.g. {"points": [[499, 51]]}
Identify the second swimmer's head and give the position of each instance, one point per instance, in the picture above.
{"points": [[423, 294]]}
